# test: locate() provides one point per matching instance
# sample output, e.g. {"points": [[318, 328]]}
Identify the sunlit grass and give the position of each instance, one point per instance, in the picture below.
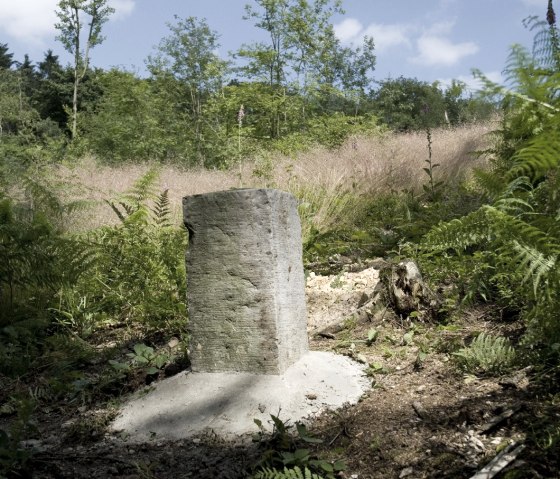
{"points": [[329, 183]]}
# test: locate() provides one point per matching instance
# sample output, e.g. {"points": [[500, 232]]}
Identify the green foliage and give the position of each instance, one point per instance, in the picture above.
{"points": [[133, 121], [295, 473], [514, 242], [283, 456], [486, 354], [71, 25], [407, 104], [36, 259], [139, 273], [433, 187], [188, 73], [145, 357]]}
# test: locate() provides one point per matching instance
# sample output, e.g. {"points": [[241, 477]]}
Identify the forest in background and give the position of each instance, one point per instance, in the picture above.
{"points": [[86, 313], [193, 108]]}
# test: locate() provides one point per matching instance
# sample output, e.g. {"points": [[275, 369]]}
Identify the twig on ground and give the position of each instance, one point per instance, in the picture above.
{"points": [[495, 421]]}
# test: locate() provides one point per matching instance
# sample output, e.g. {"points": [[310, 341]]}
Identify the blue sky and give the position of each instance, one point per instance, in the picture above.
{"points": [[427, 39]]}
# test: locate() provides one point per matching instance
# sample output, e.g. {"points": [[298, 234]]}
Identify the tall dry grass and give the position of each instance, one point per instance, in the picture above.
{"points": [[328, 183]]}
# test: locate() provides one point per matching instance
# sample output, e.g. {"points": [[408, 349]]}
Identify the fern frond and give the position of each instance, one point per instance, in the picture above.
{"points": [[489, 224], [545, 42], [295, 473], [537, 265], [41, 194], [489, 182], [486, 354], [135, 199], [537, 158], [459, 234], [509, 228], [143, 188], [162, 209], [525, 79]]}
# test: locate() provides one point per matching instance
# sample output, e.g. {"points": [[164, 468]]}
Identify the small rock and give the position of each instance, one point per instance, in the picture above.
{"points": [[173, 342], [68, 424], [406, 472]]}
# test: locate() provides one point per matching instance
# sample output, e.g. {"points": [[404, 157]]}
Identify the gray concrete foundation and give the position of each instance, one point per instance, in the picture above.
{"points": [[246, 287]]}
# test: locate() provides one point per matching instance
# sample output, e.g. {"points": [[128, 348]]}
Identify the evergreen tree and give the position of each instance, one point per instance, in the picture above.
{"points": [[54, 89], [6, 59]]}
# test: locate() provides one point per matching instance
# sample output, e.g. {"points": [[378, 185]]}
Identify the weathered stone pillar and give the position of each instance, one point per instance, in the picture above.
{"points": [[246, 287]]}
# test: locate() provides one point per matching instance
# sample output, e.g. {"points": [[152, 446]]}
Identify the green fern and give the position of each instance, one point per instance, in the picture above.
{"points": [[514, 242], [537, 158], [134, 201], [295, 473], [162, 209], [487, 354]]}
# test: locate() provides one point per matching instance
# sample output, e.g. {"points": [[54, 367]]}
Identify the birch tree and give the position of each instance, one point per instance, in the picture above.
{"points": [[81, 20]]}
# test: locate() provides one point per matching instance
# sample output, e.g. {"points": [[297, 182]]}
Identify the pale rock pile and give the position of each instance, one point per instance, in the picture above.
{"points": [[332, 299]]}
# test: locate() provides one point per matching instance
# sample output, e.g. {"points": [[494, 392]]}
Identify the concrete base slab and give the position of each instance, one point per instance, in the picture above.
{"points": [[226, 404]]}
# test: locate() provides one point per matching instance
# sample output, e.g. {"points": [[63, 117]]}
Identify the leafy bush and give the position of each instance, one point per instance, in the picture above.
{"points": [[139, 272]]}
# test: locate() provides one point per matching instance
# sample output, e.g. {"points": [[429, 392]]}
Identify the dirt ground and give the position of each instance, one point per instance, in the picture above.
{"points": [[422, 418]]}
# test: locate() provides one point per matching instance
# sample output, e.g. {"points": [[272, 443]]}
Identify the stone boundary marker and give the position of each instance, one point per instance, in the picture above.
{"points": [[246, 287]]}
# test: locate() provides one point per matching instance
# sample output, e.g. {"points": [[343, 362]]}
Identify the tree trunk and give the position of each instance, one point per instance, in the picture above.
{"points": [[75, 105]]}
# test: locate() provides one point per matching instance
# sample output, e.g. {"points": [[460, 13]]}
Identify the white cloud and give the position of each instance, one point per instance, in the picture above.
{"points": [[386, 36], [436, 50], [29, 21], [348, 30], [32, 21]]}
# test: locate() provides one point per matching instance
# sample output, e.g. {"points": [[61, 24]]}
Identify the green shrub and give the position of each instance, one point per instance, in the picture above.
{"points": [[139, 271]]}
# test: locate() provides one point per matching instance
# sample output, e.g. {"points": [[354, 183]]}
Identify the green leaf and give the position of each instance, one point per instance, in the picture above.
{"points": [[278, 424], [339, 465], [301, 454], [407, 338], [373, 334], [304, 435], [118, 366]]}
